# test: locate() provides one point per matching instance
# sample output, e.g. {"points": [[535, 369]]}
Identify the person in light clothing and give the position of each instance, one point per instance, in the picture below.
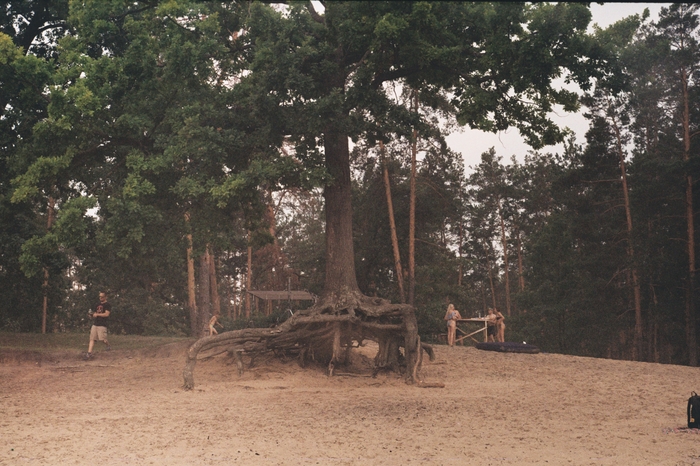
{"points": [[451, 316]]}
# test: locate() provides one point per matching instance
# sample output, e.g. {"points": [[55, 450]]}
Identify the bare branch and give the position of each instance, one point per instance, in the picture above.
{"points": [[314, 14]]}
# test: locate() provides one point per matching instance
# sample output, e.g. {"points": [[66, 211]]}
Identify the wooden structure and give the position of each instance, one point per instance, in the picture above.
{"points": [[287, 295], [483, 329]]}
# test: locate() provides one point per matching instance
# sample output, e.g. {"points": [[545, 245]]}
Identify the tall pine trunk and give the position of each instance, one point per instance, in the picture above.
{"points": [[248, 278], [491, 281], [204, 307], [214, 284], [504, 242], [191, 285], [460, 269], [690, 295], [45, 285], [637, 354], [412, 216], [392, 226], [277, 279], [521, 272]]}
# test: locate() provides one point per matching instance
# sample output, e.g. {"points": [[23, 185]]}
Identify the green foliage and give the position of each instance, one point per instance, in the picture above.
{"points": [[136, 312], [431, 321], [131, 116]]}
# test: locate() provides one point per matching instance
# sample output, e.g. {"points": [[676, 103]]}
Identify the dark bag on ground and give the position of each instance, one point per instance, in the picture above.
{"points": [[694, 411]]}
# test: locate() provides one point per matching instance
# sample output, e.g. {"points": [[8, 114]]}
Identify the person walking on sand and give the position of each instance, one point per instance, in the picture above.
{"points": [[451, 317], [98, 331]]}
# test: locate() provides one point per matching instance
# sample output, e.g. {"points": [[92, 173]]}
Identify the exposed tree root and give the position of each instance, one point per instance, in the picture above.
{"points": [[431, 385], [325, 333]]}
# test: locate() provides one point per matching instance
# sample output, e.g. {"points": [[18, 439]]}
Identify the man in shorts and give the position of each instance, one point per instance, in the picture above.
{"points": [[496, 325], [98, 331]]}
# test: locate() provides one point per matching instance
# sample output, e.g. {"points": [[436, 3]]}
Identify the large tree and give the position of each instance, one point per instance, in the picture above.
{"points": [[678, 31], [28, 33], [321, 77]]}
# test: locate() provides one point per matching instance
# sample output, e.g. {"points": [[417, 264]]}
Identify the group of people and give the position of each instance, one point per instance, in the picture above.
{"points": [[495, 322]]}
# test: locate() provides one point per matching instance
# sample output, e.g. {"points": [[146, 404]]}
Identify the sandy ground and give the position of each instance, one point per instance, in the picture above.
{"points": [[129, 409]]}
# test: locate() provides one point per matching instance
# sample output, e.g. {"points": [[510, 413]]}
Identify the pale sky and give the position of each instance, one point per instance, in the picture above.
{"points": [[472, 143]]}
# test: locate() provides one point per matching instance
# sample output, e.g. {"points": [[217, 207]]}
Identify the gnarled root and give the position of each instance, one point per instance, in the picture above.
{"points": [[327, 330]]}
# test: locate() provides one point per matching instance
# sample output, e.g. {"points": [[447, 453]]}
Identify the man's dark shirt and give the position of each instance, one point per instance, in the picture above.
{"points": [[101, 307]]}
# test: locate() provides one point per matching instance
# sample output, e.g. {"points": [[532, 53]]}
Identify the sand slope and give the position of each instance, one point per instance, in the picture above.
{"points": [[497, 408]]}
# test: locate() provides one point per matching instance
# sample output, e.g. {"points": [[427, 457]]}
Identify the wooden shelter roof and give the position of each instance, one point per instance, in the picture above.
{"points": [[295, 295]]}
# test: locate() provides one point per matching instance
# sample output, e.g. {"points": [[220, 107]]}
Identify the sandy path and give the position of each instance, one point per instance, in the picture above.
{"points": [[496, 409]]}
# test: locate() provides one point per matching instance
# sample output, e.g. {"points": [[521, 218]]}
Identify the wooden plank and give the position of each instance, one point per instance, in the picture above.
{"points": [[296, 295]]}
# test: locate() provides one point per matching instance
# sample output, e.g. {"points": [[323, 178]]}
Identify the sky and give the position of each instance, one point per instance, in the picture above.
{"points": [[472, 143]]}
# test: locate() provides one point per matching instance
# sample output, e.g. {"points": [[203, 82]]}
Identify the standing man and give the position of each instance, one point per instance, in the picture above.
{"points": [[496, 325], [98, 331]]}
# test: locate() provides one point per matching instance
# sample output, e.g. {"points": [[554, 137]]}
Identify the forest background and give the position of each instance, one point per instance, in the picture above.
{"points": [[138, 156]]}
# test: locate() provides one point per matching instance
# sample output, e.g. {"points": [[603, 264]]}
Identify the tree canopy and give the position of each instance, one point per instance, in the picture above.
{"points": [[138, 137]]}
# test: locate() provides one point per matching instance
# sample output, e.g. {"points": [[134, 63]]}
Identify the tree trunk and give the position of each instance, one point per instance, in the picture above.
{"points": [[343, 317], [521, 273], [459, 249], [213, 283], [493, 287], [690, 304], [248, 279], [191, 285], [340, 255], [412, 216], [392, 226], [204, 295], [504, 242], [636, 289], [45, 285]]}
